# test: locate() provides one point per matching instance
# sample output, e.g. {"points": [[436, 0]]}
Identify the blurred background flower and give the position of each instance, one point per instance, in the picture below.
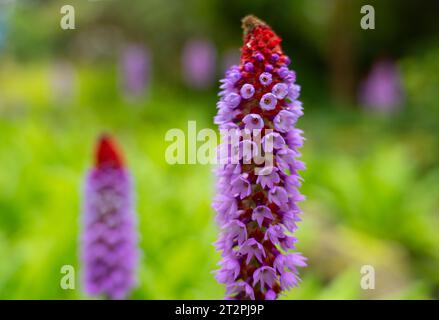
{"points": [[199, 62], [109, 249], [381, 91], [135, 70]]}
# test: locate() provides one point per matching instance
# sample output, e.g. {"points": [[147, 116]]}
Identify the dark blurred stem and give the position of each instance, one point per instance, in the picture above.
{"points": [[341, 50]]}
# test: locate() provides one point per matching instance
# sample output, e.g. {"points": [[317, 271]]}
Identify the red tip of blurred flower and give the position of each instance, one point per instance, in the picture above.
{"points": [[108, 154]]}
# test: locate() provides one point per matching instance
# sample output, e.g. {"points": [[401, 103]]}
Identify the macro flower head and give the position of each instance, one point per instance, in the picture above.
{"points": [[257, 202]]}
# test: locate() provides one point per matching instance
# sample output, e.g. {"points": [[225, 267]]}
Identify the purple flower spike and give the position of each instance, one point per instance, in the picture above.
{"points": [[268, 178], [249, 67], [241, 187], [232, 100], [260, 213], [253, 121], [265, 78], [259, 57], [280, 90], [274, 57], [247, 91], [257, 201], [109, 240], [268, 101], [269, 68], [283, 72], [273, 140], [270, 295], [284, 121]]}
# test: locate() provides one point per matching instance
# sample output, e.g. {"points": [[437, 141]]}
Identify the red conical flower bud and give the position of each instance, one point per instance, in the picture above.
{"points": [[107, 153]]}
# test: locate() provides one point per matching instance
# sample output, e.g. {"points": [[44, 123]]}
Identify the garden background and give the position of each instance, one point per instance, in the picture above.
{"points": [[372, 138]]}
